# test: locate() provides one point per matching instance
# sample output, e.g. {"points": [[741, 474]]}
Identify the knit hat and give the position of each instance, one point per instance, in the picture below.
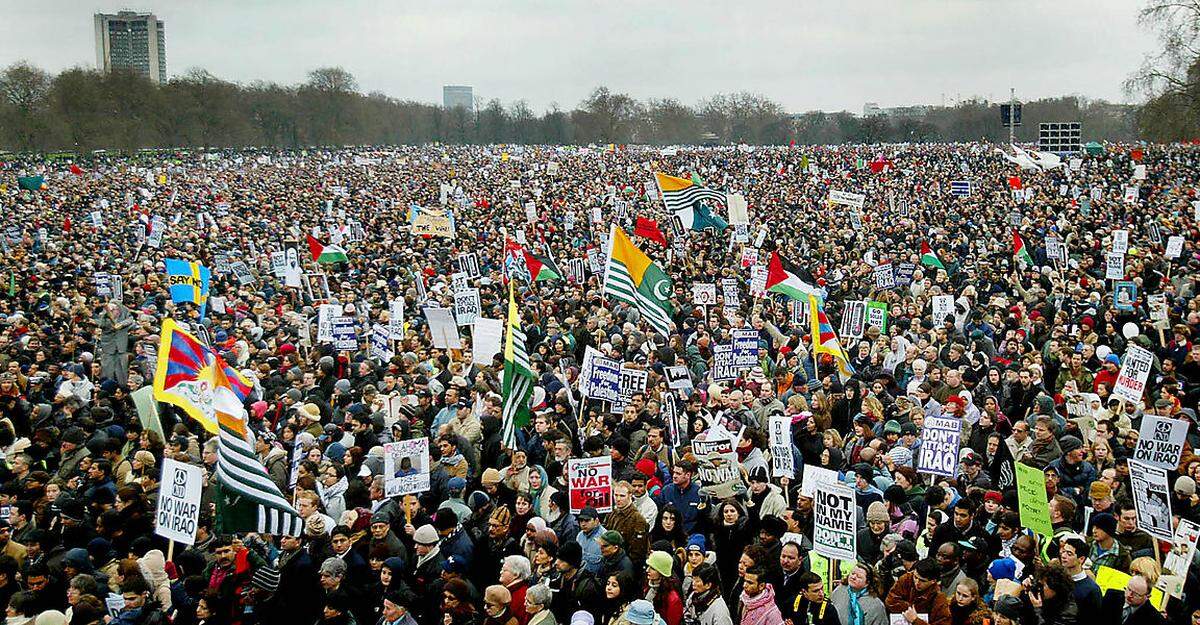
{"points": [[891, 426], [265, 578], [425, 535], [312, 412], [1106, 522], [1009, 607], [571, 553], [497, 594], [641, 612], [490, 476], [759, 474], [581, 617], [1185, 486], [877, 511], [660, 561], [1069, 444], [613, 537], [1003, 568], [696, 542], [1099, 490]]}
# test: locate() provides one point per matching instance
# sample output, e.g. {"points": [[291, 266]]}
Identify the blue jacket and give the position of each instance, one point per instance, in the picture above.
{"points": [[1073, 479], [591, 548], [459, 545], [686, 501]]}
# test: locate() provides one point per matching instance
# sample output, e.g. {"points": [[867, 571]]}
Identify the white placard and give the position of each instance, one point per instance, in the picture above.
{"points": [[396, 318], [845, 198], [704, 294], [1114, 266], [467, 307], [835, 521], [1135, 369], [1160, 441], [782, 462], [1174, 246], [486, 336], [443, 328], [1120, 241], [943, 306], [1151, 499], [178, 511], [406, 467]]}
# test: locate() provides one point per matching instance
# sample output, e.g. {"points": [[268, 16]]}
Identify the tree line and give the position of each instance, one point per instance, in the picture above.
{"points": [[80, 109]]}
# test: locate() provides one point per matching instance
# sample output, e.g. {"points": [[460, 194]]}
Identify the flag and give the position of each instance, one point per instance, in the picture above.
{"points": [[649, 229], [195, 379], [879, 164], [12, 283], [631, 277], [327, 254], [66, 224], [1136, 154], [517, 386], [541, 267], [31, 183], [1014, 182], [515, 261], [681, 195], [188, 282], [825, 340], [1020, 251], [928, 258], [780, 280], [75, 169]]}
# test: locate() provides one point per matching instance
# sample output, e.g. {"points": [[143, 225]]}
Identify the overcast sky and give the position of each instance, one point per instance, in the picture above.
{"points": [[806, 54]]}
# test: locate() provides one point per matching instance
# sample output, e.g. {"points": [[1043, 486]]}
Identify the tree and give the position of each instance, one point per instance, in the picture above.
{"points": [[1171, 76]]}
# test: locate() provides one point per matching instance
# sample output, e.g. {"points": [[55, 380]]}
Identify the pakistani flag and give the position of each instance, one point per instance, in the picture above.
{"points": [[928, 258], [517, 386], [326, 254], [1020, 251], [631, 277], [780, 280]]}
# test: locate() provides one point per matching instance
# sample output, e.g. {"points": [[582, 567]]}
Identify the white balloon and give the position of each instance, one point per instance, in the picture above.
{"points": [[1102, 351], [1130, 330]]}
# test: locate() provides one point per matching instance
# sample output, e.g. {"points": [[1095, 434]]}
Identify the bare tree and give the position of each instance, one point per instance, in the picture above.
{"points": [[1171, 75]]}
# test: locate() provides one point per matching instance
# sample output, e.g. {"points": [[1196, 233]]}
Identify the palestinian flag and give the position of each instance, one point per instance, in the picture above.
{"points": [[780, 280], [928, 258], [517, 385], [326, 254], [1020, 251], [542, 267]]}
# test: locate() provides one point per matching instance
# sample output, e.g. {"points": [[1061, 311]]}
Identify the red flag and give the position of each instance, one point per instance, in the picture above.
{"points": [[879, 164], [649, 228], [1136, 155], [1014, 182], [66, 224], [76, 170]]}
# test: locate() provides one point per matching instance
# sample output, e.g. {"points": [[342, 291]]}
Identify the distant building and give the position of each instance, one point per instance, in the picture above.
{"points": [[871, 109], [131, 40], [458, 96]]}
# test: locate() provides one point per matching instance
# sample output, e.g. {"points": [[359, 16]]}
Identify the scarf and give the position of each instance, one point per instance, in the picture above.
{"points": [[856, 613], [451, 460], [329, 492]]}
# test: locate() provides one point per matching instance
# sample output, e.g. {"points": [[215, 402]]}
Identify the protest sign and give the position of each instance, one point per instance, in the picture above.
{"points": [[459, 282], [486, 336], [1151, 499], [1174, 246], [716, 460], [576, 270], [749, 256], [1131, 381], [632, 381], [943, 306], [678, 377], [292, 274], [467, 307], [854, 319], [782, 463], [1160, 441], [1032, 503], [814, 475], [729, 291], [1157, 305], [432, 222], [325, 316], [442, 327], [279, 264], [158, 228], [103, 282], [845, 198], [178, 511], [1055, 250], [1124, 295], [758, 281], [242, 271], [835, 521], [799, 313], [1120, 241], [590, 483], [406, 467], [599, 377], [1114, 266], [345, 338], [904, 273], [723, 366], [735, 206], [380, 342], [939, 446], [704, 294], [885, 277], [877, 316], [468, 263], [1177, 562], [396, 318], [745, 348]]}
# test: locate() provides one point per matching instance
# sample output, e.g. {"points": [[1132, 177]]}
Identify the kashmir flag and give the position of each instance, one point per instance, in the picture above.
{"points": [[327, 254], [631, 277], [682, 198], [1020, 251], [188, 282], [31, 183], [517, 385], [825, 340], [541, 267], [649, 229], [928, 258], [780, 280]]}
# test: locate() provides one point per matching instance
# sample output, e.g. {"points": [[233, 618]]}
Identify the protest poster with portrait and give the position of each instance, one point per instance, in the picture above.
{"points": [[406, 467], [1151, 499]]}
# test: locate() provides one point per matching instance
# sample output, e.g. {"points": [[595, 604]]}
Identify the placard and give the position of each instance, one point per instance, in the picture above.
{"points": [[1157, 305], [780, 434], [406, 467], [814, 475], [758, 281], [729, 291], [745, 348], [442, 327], [835, 521], [1151, 499], [1120, 241], [467, 307], [1114, 266], [325, 316], [877, 316], [345, 337], [723, 367], [380, 342], [1160, 441], [854, 319], [1031, 499], [678, 377], [632, 381], [242, 271], [939, 446], [1135, 368], [943, 306], [279, 264], [459, 282], [1177, 562], [590, 483], [599, 377], [396, 318], [904, 273], [1125, 295], [486, 336], [704, 294], [1174, 246], [178, 511], [846, 198], [716, 459], [885, 277]]}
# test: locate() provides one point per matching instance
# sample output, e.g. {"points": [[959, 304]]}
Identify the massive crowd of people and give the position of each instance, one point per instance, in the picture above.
{"points": [[1026, 361]]}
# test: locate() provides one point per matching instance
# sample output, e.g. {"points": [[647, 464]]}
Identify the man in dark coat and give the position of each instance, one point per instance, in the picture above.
{"points": [[1130, 606]]}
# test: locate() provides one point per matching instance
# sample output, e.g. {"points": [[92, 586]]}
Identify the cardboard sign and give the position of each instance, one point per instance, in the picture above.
{"points": [[1135, 368], [486, 336], [845, 198], [885, 277], [943, 306], [854, 319], [782, 462], [723, 367], [704, 294], [678, 377], [590, 483], [467, 307], [1160, 441], [345, 337], [178, 511], [442, 327], [632, 381], [1031, 499], [835, 521], [939, 446], [406, 467], [1151, 499], [877, 316], [599, 377]]}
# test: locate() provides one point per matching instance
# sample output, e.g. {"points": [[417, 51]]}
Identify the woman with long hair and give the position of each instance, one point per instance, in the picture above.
{"points": [[620, 590], [730, 536], [669, 527], [1101, 455], [967, 607]]}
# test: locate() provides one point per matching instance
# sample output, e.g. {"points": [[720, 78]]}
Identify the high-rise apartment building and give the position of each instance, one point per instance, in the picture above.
{"points": [[131, 40], [455, 96]]}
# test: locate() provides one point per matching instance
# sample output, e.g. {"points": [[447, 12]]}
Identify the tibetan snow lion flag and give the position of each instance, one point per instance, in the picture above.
{"points": [[195, 379]]}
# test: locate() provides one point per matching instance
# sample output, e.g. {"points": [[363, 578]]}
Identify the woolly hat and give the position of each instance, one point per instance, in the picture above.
{"points": [[1009, 607], [497, 594], [1003, 568], [425, 535], [1069, 444], [571, 553], [660, 561], [265, 578], [1106, 522], [877, 511], [613, 537], [696, 542]]}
